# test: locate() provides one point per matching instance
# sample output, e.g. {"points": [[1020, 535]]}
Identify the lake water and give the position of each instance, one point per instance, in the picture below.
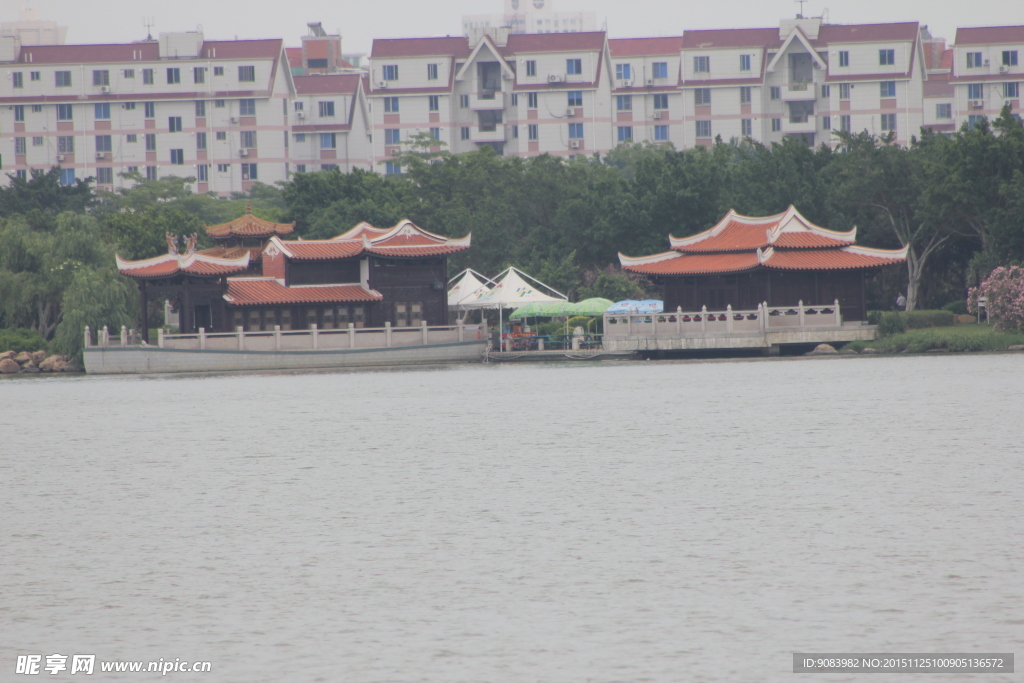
{"points": [[658, 521]]}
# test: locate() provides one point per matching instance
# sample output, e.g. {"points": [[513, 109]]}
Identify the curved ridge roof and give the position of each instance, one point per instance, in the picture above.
{"points": [[195, 263], [248, 225]]}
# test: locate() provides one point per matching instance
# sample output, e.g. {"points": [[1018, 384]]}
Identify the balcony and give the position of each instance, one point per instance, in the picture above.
{"points": [[488, 133], [807, 124], [487, 100], [799, 91]]}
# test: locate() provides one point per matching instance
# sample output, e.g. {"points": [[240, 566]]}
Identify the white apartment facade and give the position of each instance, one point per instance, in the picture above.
{"points": [[330, 124], [986, 72], [530, 16]]}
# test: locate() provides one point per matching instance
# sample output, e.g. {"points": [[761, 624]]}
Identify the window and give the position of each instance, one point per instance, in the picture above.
{"points": [[888, 121], [661, 101], [219, 104], [391, 168], [390, 72], [199, 74], [19, 145], [21, 174], [826, 91], [173, 75], [746, 127], [249, 172], [64, 112], [844, 58], [151, 173], [435, 133], [202, 173], [300, 137], [150, 142], [150, 108], [247, 139], [17, 78], [104, 176], [464, 101], [975, 91], [464, 133], [392, 136], [973, 60], [826, 123], [129, 73], [65, 144], [623, 72], [222, 135], [300, 168], [431, 72], [246, 74], [173, 124], [661, 133], [943, 111], [200, 109], [223, 168], [532, 132], [531, 100], [248, 107], [1011, 90], [390, 106], [100, 77], [67, 176], [575, 98], [37, 141], [218, 71], [776, 92], [702, 64], [35, 75], [574, 67], [844, 123], [776, 125], [200, 140], [177, 157], [702, 96], [515, 131], [286, 140], [844, 91], [887, 89], [147, 76], [19, 112], [328, 140], [973, 120], [659, 70], [744, 62], [886, 57], [1009, 58], [515, 99], [63, 79], [624, 102], [130, 106], [575, 131], [37, 108], [745, 94], [434, 102], [531, 67], [703, 129], [625, 133], [104, 143]]}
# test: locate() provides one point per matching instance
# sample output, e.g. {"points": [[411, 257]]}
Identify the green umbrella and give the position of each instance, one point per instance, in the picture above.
{"points": [[591, 307], [535, 309], [562, 308]]}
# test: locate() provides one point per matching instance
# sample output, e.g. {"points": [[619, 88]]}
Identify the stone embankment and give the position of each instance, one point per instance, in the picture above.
{"points": [[12, 363]]}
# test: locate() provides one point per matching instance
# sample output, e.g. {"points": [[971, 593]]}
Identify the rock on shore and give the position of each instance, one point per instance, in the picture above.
{"points": [[12, 363]]}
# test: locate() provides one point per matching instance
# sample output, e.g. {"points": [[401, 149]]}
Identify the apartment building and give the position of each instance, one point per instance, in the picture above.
{"points": [[647, 101], [530, 16], [986, 72], [330, 124]]}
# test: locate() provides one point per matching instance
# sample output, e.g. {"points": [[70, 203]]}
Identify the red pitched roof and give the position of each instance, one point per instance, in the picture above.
{"points": [[696, 264], [267, 291], [248, 225], [332, 84], [269, 48], [640, 47], [420, 47], [404, 239], [868, 33], [734, 236], [90, 54], [982, 35], [321, 249], [169, 265], [832, 259], [731, 37], [591, 41]]}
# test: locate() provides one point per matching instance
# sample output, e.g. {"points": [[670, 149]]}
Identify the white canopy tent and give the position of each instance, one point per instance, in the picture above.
{"points": [[468, 285], [514, 288]]}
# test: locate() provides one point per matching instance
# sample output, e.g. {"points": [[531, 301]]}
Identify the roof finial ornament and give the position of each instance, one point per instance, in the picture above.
{"points": [[190, 243], [172, 243]]}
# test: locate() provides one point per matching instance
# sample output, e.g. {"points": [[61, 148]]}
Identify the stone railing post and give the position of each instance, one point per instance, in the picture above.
{"points": [[761, 321], [462, 329], [124, 336], [202, 338], [800, 310], [315, 332], [540, 343], [423, 327], [728, 318], [240, 331], [629, 324], [277, 337], [704, 320], [104, 339], [839, 319], [160, 337], [679, 320], [387, 333], [351, 335], [88, 337]]}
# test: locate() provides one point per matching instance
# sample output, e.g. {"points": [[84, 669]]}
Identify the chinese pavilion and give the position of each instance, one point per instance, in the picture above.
{"points": [[782, 260], [254, 279]]}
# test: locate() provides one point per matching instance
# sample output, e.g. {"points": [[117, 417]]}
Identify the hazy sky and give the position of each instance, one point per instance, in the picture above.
{"points": [[99, 21]]}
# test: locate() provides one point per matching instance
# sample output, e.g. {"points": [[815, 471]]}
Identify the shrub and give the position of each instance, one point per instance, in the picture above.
{"points": [[897, 322], [20, 340], [890, 323], [958, 307], [580, 321], [1004, 289]]}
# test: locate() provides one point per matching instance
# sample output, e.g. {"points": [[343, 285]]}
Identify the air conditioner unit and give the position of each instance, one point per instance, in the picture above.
{"points": [[60, 157], [986, 62], [104, 88], [233, 119], [382, 85], [656, 115], [555, 78], [570, 112], [394, 151], [300, 114], [505, 76], [574, 144], [650, 81], [976, 104], [101, 155], [243, 152], [1003, 69]]}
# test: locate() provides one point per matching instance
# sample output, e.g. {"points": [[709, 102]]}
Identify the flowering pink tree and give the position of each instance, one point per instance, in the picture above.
{"points": [[1004, 290]]}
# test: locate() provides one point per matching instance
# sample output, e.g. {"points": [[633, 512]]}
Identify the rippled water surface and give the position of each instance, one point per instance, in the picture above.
{"points": [[691, 521]]}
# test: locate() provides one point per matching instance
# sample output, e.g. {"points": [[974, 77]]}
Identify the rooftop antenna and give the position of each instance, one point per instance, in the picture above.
{"points": [[149, 23], [800, 15]]}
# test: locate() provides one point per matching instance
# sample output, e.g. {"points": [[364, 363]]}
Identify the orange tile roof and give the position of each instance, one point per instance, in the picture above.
{"points": [[698, 264], [828, 259], [169, 265], [640, 47], [735, 236], [322, 249], [266, 291], [807, 240], [248, 225]]}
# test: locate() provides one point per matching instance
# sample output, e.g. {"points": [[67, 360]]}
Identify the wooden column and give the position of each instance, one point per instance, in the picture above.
{"points": [[144, 302], [185, 316]]}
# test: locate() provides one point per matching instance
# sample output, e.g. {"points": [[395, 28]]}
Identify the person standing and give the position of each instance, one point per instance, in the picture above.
{"points": [[901, 302]]}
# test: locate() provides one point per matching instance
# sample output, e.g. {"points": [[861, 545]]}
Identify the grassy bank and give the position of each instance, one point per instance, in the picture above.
{"points": [[952, 338]]}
